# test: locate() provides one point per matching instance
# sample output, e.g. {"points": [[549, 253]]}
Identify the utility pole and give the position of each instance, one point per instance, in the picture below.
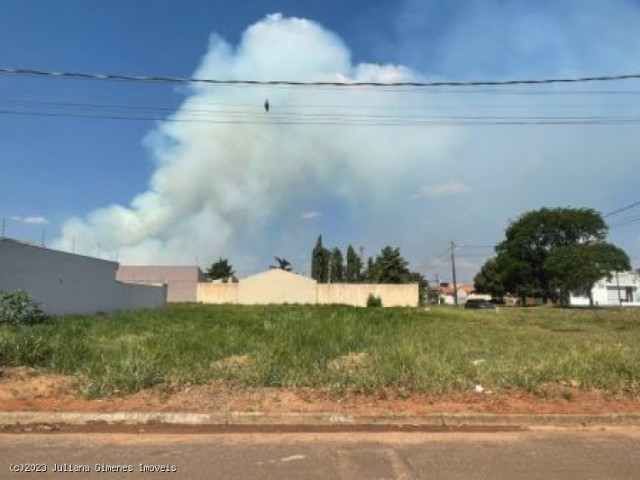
{"points": [[453, 270], [4, 227]]}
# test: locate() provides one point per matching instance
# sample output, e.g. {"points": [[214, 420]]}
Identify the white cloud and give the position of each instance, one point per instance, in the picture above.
{"points": [[447, 189], [31, 220], [311, 215]]}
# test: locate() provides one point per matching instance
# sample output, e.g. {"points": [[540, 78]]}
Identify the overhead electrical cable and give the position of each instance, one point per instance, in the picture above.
{"points": [[620, 210], [292, 83], [333, 119], [626, 222]]}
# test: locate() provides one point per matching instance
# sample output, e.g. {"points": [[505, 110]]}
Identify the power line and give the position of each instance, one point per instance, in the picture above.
{"points": [[343, 120], [291, 111], [291, 83], [619, 210], [627, 222]]}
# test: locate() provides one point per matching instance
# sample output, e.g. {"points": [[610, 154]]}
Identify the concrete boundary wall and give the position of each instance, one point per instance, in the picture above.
{"points": [[65, 283], [404, 295], [278, 287], [217, 293]]}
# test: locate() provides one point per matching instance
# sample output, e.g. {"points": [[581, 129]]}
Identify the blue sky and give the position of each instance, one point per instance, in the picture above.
{"points": [[154, 191]]}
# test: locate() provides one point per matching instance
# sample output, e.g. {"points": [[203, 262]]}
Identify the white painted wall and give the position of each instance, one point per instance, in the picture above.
{"points": [[65, 283]]}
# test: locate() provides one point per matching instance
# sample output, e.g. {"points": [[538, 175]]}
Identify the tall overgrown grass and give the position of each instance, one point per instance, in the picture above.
{"points": [[344, 348]]}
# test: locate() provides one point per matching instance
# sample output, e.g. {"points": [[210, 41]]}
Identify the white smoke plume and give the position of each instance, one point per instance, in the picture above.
{"points": [[217, 185], [240, 182]]}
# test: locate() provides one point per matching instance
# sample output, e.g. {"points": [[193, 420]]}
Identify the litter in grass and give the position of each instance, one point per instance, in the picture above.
{"points": [[478, 362], [480, 389]]}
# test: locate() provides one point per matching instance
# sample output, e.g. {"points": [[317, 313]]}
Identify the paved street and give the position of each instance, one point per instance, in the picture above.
{"points": [[544, 453]]}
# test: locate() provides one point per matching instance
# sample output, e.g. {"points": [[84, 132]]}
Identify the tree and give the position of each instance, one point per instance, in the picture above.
{"points": [[282, 264], [370, 273], [220, 270], [577, 267], [533, 238], [354, 266], [320, 262], [336, 266], [489, 279], [423, 285], [390, 267]]}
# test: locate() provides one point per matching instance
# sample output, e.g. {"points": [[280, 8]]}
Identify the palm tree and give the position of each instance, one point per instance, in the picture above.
{"points": [[283, 264]]}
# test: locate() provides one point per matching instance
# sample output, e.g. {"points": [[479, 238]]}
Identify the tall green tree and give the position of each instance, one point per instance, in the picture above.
{"points": [[489, 279], [390, 267], [354, 266], [577, 267], [532, 239], [336, 266], [320, 262], [220, 270], [370, 272]]}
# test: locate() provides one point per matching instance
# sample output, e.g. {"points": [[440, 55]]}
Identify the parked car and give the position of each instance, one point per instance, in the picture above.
{"points": [[479, 304]]}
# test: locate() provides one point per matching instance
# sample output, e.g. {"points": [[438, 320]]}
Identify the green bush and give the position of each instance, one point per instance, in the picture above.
{"points": [[17, 308], [373, 301]]}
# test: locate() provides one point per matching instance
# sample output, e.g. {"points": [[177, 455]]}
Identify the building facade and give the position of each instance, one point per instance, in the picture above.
{"points": [[621, 290], [181, 281]]}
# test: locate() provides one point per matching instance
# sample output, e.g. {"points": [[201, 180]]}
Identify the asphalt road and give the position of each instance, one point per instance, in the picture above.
{"points": [[542, 453]]}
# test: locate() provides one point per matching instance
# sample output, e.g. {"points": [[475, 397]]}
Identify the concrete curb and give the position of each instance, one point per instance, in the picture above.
{"points": [[314, 419]]}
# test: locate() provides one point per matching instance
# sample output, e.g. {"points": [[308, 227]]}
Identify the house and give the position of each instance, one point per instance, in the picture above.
{"points": [[622, 290], [463, 290], [277, 286], [182, 281], [67, 283]]}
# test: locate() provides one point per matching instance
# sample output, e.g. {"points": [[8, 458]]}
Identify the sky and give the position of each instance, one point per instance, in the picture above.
{"points": [[148, 173]]}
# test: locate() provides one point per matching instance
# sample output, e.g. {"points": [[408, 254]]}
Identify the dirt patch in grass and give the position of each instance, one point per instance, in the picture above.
{"points": [[23, 389], [350, 362]]}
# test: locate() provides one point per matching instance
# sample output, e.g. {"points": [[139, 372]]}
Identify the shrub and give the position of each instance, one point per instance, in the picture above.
{"points": [[373, 301], [17, 308]]}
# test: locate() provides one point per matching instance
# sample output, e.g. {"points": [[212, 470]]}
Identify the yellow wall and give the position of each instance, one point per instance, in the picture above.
{"points": [[217, 293], [277, 287], [356, 294]]}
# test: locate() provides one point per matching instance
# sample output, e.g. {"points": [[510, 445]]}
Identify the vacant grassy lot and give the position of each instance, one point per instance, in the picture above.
{"points": [[344, 348]]}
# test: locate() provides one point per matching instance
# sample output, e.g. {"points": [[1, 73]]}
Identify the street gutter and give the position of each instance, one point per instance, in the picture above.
{"points": [[306, 420]]}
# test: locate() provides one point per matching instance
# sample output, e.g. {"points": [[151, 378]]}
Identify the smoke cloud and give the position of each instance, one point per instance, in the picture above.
{"points": [[236, 181], [221, 180]]}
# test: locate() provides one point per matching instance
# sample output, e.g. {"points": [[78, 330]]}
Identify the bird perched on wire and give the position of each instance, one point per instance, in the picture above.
{"points": [[266, 106]]}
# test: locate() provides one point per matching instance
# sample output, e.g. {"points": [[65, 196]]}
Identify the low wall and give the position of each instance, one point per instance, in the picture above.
{"points": [[257, 293], [65, 283], [217, 293], [405, 295]]}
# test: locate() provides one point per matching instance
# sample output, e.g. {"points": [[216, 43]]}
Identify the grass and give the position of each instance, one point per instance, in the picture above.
{"points": [[343, 348]]}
